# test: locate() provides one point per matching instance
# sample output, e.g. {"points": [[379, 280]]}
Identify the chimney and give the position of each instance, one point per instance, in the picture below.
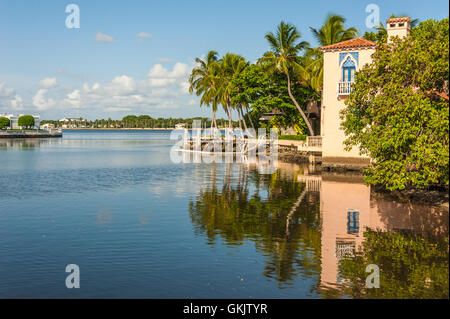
{"points": [[398, 27]]}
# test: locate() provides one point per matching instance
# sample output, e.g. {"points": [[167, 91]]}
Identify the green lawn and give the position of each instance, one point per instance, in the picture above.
{"points": [[292, 137]]}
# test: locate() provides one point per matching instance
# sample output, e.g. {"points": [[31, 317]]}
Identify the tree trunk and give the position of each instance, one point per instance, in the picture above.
{"points": [[213, 120], [239, 117], [243, 117], [230, 120], [250, 118], [311, 132]]}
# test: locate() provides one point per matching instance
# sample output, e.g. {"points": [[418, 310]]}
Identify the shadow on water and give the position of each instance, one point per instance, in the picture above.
{"points": [[328, 227]]}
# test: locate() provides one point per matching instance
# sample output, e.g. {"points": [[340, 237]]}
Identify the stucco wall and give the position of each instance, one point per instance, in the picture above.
{"points": [[333, 135]]}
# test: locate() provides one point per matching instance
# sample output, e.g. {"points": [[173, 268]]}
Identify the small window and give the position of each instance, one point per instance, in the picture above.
{"points": [[392, 25], [401, 24], [352, 221]]}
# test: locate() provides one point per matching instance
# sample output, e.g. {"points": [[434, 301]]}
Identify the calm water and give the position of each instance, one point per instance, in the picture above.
{"points": [[141, 226]]}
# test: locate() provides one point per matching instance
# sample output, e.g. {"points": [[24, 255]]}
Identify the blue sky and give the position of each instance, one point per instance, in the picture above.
{"points": [[104, 69]]}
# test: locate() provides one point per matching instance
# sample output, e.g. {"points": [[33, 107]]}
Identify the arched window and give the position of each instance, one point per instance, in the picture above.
{"points": [[348, 70]]}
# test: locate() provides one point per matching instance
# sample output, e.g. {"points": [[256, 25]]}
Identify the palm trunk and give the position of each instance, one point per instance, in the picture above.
{"points": [[230, 120], [311, 132], [243, 118], [239, 118], [250, 118], [213, 120]]}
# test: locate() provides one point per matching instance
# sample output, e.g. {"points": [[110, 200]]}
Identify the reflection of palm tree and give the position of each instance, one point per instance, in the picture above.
{"points": [[237, 213]]}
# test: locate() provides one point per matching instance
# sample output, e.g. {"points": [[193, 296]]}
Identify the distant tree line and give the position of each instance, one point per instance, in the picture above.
{"points": [[133, 121]]}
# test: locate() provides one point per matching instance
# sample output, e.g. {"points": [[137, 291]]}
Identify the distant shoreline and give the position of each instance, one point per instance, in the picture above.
{"points": [[117, 129], [126, 129]]}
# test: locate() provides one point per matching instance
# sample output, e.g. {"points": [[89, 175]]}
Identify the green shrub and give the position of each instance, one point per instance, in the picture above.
{"points": [[292, 137], [26, 121], [4, 122]]}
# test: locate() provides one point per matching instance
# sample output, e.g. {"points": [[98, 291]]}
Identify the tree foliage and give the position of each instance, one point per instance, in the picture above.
{"points": [[397, 114], [265, 92], [4, 122], [410, 266], [26, 121]]}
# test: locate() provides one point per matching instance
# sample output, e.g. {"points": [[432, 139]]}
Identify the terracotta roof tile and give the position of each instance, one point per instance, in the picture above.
{"points": [[401, 19], [350, 44]]}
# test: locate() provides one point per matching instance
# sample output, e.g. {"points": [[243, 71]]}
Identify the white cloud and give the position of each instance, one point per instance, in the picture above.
{"points": [[144, 35], [101, 37], [161, 88], [122, 85], [9, 98], [184, 86], [40, 101], [4, 91], [48, 83], [73, 98], [118, 109], [17, 102], [159, 76]]}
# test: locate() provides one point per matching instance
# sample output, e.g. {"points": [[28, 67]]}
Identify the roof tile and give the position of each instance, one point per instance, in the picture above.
{"points": [[401, 19], [350, 44]]}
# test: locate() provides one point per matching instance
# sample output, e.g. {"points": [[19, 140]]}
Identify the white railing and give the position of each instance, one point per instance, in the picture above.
{"points": [[314, 141], [345, 88]]}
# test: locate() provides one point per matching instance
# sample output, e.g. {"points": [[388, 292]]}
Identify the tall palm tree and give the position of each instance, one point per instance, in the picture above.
{"points": [[229, 66], [284, 58], [331, 32], [204, 82]]}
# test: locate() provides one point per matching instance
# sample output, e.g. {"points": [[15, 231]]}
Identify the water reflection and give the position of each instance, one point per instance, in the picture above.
{"points": [[265, 209], [319, 226], [23, 144]]}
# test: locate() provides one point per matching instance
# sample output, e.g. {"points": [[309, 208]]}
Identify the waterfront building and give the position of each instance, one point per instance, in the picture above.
{"points": [[341, 61], [14, 121]]}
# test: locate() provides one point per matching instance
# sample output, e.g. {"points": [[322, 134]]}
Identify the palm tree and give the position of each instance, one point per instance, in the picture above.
{"points": [[283, 57], [331, 32], [228, 67], [204, 81]]}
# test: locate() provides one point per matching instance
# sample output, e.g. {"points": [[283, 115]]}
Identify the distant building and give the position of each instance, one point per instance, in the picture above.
{"points": [[14, 120], [47, 126], [73, 123], [180, 126]]}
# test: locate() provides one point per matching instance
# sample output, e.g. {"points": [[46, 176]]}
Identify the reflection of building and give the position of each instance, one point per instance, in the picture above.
{"points": [[341, 61], [347, 210], [14, 120]]}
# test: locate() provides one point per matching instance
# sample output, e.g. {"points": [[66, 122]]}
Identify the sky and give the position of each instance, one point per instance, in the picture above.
{"points": [[134, 57]]}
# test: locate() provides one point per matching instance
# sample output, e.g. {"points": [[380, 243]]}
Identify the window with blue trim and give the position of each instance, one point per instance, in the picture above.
{"points": [[352, 222], [348, 70]]}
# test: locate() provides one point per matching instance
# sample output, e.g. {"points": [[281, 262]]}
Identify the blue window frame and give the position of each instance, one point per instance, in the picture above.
{"points": [[348, 70], [352, 222]]}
